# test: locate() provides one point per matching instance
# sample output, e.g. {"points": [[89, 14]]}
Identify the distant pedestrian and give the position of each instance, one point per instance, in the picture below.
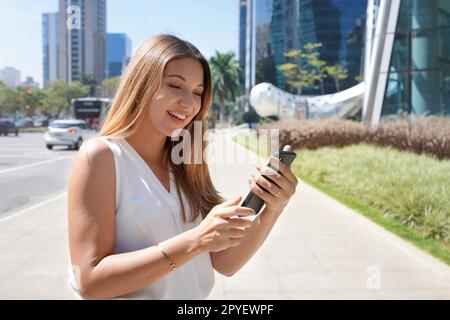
{"points": [[142, 226]]}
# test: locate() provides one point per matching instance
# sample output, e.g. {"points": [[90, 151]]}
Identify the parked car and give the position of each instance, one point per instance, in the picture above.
{"points": [[8, 126], [41, 122], [69, 133], [24, 123]]}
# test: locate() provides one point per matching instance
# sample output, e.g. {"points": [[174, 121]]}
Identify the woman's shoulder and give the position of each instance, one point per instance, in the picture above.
{"points": [[96, 154], [93, 172]]}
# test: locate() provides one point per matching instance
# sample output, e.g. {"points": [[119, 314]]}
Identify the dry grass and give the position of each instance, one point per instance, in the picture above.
{"points": [[425, 135]]}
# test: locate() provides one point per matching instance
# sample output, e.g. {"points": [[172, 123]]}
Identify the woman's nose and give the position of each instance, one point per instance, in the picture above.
{"points": [[187, 101]]}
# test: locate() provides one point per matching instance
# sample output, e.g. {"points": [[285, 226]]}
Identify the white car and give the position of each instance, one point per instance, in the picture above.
{"points": [[69, 133]]}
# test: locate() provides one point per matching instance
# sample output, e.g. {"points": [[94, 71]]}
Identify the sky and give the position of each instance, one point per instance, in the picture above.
{"points": [[209, 24]]}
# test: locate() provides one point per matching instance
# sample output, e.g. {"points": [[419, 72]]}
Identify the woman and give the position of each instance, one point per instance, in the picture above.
{"points": [[140, 225]]}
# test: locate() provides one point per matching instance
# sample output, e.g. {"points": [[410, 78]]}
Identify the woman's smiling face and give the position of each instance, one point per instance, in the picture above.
{"points": [[179, 98]]}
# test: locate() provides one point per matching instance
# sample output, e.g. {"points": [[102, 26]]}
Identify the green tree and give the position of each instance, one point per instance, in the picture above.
{"points": [[89, 81], [304, 68], [338, 72], [59, 93], [109, 87], [359, 79], [225, 73], [10, 100], [30, 99], [265, 71]]}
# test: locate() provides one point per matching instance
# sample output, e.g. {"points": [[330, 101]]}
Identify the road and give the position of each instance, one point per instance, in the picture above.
{"points": [[29, 173]]}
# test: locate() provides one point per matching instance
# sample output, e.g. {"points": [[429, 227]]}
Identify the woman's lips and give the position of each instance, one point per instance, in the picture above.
{"points": [[176, 120]]}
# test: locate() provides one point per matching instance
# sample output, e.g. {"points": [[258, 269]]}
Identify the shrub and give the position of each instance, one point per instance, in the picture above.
{"points": [[429, 135]]}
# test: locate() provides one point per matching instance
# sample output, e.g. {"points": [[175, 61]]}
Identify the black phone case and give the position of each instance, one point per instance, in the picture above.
{"points": [[255, 202]]}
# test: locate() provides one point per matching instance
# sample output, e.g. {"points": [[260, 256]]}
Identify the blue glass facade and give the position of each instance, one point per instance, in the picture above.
{"points": [[337, 24], [45, 47], [50, 46], [419, 73], [242, 32], [118, 51]]}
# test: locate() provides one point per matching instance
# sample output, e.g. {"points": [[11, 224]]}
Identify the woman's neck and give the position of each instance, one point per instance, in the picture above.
{"points": [[149, 145]]}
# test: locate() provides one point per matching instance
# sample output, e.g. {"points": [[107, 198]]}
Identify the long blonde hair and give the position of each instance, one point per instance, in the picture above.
{"points": [[138, 85]]}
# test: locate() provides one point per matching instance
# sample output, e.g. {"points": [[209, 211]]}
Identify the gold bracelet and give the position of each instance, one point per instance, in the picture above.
{"points": [[167, 257]]}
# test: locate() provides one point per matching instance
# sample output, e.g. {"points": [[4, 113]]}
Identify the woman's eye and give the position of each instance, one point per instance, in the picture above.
{"points": [[174, 86], [198, 94]]}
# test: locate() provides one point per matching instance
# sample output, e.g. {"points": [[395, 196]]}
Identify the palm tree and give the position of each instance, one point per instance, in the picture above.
{"points": [[88, 80], [225, 73]]}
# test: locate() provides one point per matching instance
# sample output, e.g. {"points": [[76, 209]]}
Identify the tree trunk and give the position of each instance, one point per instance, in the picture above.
{"points": [[336, 81], [222, 109]]}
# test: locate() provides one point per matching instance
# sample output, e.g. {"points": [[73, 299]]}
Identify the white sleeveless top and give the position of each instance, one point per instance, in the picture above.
{"points": [[146, 214]]}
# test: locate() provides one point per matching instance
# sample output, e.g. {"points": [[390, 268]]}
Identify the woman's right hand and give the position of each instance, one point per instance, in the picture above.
{"points": [[222, 228]]}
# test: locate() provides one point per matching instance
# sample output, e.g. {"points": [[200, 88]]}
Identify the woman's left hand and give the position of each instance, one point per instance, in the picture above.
{"points": [[280, 185]]}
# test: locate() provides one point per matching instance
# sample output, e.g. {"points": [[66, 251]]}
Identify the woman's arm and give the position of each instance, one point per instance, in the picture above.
{"points": [[229, 261], [280, 188]]}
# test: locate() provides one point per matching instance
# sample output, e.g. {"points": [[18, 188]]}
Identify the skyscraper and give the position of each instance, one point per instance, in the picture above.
{"points": [[409, 71], [10, 76], [242, 31], [284, 25], [118, 53], [82, 39], [50, 46]]}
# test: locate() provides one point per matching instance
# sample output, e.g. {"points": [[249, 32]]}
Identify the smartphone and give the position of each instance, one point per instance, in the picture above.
{"points": [[255, 202]]}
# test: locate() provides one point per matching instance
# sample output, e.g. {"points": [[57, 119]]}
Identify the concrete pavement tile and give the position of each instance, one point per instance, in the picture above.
{"points": [[41, 267], [375, 248], [330, 250], [251, 282], [413, 279], [289, 251], [370, 294], [18, 256], [29, 243], [20, 228], [314, 295], [33, 288], [396, 263], [343, 263], [6, 238], [354, 280], [322, 239], [256, 265], [257, 295], [389, 280], [283, 265], [435, 294], [8, 268], [307, 281]]}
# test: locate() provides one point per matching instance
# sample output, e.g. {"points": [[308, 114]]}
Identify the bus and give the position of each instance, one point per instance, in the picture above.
{"points": [[92, 110]]}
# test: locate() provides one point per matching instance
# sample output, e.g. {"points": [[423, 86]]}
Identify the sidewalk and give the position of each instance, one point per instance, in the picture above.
{"points": [[319, 249]]}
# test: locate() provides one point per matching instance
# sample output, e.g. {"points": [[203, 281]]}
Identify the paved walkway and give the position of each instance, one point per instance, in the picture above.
{"points": [[319, 249]]}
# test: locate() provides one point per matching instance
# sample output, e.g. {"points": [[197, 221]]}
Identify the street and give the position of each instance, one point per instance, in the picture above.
{"points": [[29, 173], [318, 249]]}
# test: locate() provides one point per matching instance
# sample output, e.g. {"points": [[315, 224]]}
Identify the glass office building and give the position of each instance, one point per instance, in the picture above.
{"points": [[339, 26], [419, 73], [409, 71], [118, 53], [283, 25], [401, 50], [50, 46]]}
